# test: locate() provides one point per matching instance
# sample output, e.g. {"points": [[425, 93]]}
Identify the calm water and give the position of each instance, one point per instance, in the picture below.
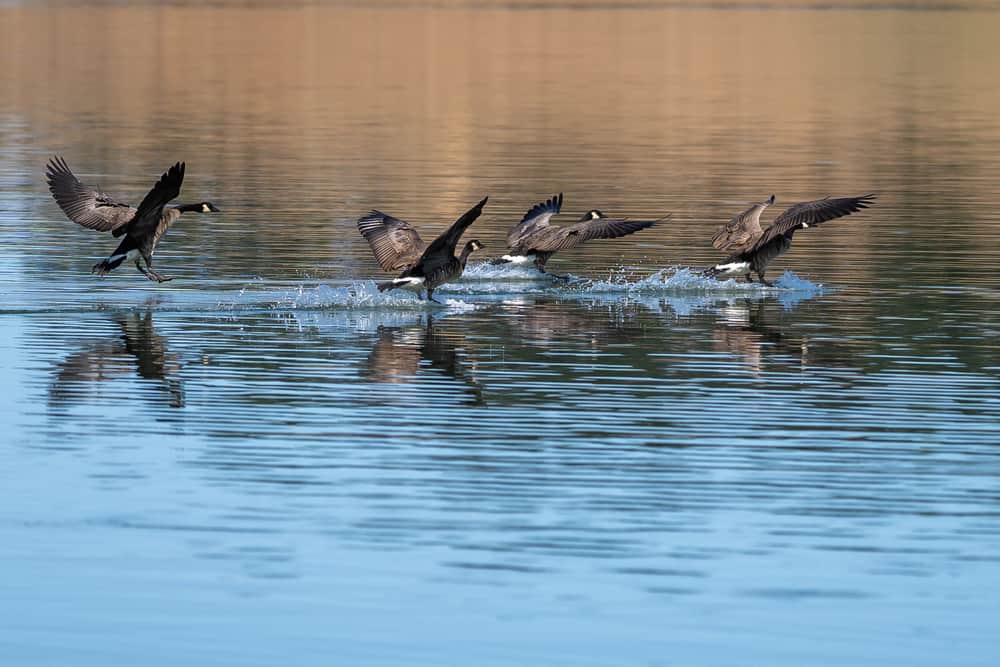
{"points": [[267, 462]]}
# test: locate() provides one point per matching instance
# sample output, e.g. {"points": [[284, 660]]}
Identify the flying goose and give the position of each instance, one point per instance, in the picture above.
{"points": [[535, 239], [398, 247], [752, 248], [142, 227]]}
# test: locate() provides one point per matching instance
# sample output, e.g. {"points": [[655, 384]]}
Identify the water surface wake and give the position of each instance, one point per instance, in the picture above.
{"points": [[482, 286], [360, 295], [683, 279]]}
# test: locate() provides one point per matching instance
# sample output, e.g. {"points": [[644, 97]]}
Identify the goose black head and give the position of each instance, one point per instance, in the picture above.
{"points": [[592, 214], [770, 200], [474, 245], [200, 207]]}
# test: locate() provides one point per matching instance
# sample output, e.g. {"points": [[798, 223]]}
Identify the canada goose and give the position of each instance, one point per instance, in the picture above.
{"points": [[753, 248], [534, 239], [398, 247], [142, 227]]}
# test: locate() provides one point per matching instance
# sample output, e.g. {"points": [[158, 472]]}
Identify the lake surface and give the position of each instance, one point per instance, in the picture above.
{"points": [[267, 462]]}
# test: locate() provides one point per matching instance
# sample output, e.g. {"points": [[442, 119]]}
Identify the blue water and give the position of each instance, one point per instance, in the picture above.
{"points": [[267, 461]]}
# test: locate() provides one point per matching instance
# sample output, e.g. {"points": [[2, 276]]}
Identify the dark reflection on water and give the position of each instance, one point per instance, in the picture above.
{"points": [[399, 352], [138, 350], [267, 461]]}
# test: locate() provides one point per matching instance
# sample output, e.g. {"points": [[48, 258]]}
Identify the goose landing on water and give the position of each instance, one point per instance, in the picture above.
{"points": [[753, 248], [398, 247], [535, 240], [142, 227]]}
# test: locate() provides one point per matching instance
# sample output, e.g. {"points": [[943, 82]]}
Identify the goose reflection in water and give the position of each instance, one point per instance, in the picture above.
{"points": [[742, 330], [138, 350], [750, 327], [401, 351], [555, 324], [752, 330]]}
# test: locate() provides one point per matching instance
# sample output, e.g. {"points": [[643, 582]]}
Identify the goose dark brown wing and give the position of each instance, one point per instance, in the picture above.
{"points": [[807, 214], [442, 249], [551, 239], [396, 244], [150, 213], [743, 231], [84, 205], [537, 216]]}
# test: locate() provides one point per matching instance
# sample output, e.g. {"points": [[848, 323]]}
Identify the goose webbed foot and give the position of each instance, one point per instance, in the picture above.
{"points": [[749, 279], [430, 297], [766, 283], [151, 274]]}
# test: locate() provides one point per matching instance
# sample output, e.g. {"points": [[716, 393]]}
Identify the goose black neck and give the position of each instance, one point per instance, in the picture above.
{"points": [[189, 208], [466, 251]]}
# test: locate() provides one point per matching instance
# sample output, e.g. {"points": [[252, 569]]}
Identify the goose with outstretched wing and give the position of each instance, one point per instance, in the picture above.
{"points": [[398, 247], [534, 239], [752, 248], [142, 227]]}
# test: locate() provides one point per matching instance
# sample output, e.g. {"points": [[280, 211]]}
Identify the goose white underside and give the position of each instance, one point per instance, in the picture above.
{"points": [[130, 256], [732, 269], [515, 259], [415, 284]]}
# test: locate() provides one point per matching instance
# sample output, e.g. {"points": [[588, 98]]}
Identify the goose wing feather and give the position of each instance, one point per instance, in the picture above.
{"points": [[551, 239], [168, 218], [807, 214], [743, 231], [149, 216], [397, 246], [536, 217], [441, 251], [85, 205]]}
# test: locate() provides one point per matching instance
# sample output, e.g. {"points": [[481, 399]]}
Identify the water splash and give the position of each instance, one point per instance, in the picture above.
{"points": [[789, 280], [487, 271], [683, 279], [485, 284], [487, 278], [683, 291], [361, 294]]}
